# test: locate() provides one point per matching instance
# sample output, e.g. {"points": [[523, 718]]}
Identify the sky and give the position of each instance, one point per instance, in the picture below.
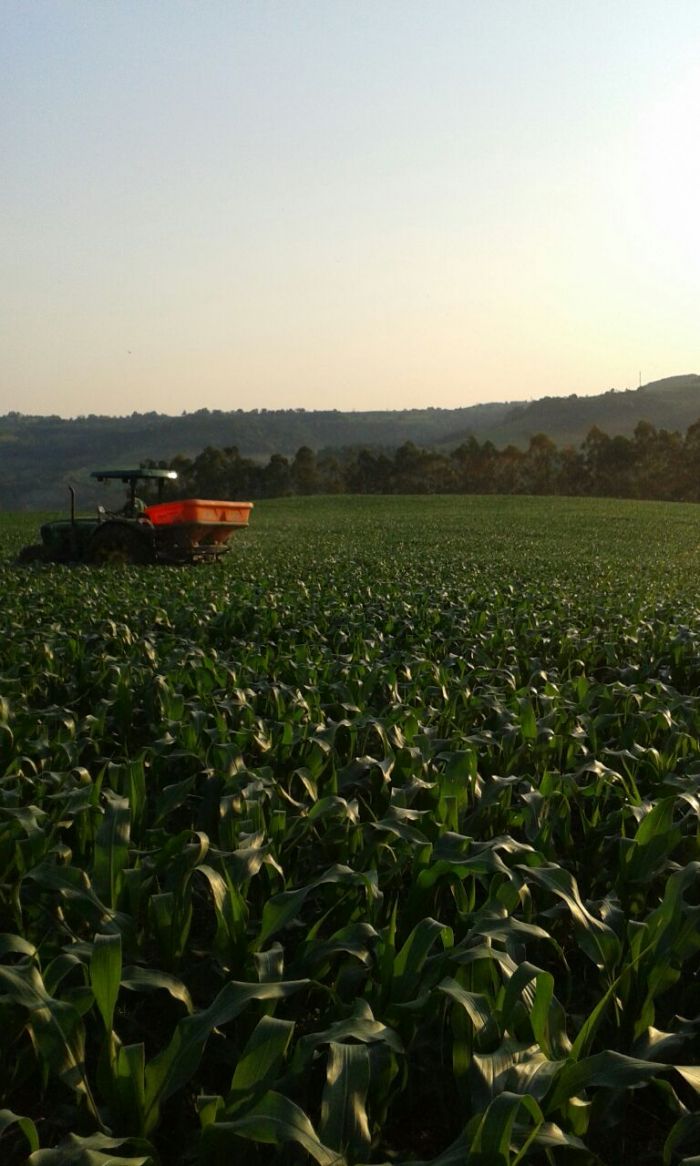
{"points": [[351, 204]]}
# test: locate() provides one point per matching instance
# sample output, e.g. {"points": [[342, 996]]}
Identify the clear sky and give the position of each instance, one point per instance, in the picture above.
{"points": [[345, 203]]}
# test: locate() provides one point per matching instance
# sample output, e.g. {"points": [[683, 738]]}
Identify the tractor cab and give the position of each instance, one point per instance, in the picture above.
{"points": [[133, 507]]}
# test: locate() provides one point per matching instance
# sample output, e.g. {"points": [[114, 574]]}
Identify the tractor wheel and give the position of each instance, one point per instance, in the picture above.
{"points": [[35, 553], [119, 545]]}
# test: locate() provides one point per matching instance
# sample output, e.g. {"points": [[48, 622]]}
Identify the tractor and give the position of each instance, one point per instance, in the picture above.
{"points": [[192, 530]]}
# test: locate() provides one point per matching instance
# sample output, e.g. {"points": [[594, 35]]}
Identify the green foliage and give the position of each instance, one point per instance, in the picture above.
{"points": [[650, 464], [40, 454], [378, 843]]}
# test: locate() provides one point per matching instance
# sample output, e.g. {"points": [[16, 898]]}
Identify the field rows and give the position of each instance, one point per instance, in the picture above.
{"points": [[378, 843]]}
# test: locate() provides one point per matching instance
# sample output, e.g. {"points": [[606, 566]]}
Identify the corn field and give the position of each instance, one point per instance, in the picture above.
{"points": [[377, 843]]}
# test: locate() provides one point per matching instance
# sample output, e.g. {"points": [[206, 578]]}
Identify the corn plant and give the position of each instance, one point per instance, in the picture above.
{"points": [[379, 843]]}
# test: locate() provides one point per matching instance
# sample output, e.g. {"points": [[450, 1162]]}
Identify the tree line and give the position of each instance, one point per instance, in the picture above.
{"points": [[653, 463]]}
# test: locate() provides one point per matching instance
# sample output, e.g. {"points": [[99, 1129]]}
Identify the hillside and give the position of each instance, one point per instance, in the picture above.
{"points": [[672, 403], [39, 455]]}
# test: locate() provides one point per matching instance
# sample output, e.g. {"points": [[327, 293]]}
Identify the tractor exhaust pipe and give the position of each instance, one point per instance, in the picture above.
{"points": [[72, 505]]}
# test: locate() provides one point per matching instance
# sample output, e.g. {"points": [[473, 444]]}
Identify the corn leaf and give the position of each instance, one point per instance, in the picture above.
{"points": [[259, 1063], [105, 974], [171, 1068], [275, 1120], [344, 1124], [27, 1126]]}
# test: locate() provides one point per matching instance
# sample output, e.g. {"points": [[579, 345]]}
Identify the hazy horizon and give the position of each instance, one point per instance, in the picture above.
{"points": [[371, 205], [321, 408]]}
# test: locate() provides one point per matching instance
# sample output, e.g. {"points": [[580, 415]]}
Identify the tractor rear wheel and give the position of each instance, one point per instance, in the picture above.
{"points": [[119, 545], [35, 553]]}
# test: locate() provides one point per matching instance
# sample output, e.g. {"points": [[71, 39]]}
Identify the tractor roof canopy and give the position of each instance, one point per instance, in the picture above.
{"points": [[128, 476]]}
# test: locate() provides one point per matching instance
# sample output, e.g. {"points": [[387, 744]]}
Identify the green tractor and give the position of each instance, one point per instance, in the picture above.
{"points": [[192, 530]]}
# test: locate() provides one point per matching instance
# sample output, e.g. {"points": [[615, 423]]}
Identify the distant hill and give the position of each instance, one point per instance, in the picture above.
{"points": [[40, 455], [672, 403]]}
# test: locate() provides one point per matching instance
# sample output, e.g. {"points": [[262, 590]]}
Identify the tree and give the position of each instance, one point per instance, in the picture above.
{"points": [[305, 471], [276, 477], [539, 466]]}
